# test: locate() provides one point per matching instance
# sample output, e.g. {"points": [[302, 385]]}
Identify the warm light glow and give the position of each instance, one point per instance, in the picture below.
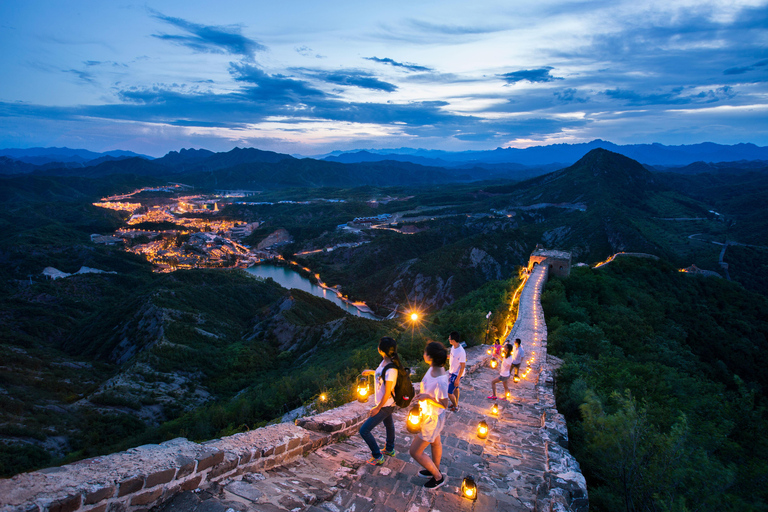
{"points": [[469, 492], [494, 363], [482, 430], [323, 397], [362, 391], [414, 317], [495, 409], [414, 419]]}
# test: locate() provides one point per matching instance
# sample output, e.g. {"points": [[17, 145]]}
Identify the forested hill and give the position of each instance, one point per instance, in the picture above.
{"points": [[664, 386]]}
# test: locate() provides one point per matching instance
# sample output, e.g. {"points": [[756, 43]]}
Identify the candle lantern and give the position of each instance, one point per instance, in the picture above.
{"points": [[413, 422], [363, 389], [323, 397], [494, 363], [469, 488], [482, 430], [516, 379], [495, 409]]}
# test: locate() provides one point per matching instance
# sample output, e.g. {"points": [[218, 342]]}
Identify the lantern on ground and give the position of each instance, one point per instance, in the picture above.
{"points": [[488, 351], [495, 409], [363, 389], [469, 488], [323, 397], [482, 429], [516, 379], [494, 363], [413, 421]]}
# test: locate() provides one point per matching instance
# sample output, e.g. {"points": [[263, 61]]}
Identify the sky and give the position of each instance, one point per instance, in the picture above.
{"points": [[309, 77]]}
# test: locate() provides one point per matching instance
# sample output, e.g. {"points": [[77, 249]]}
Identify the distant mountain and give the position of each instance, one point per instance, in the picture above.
{"points": [[41, 156], [11, 166], [566, 154]]}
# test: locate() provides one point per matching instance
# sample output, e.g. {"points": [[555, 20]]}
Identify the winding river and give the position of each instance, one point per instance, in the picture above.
{"points": [[288, 278]]}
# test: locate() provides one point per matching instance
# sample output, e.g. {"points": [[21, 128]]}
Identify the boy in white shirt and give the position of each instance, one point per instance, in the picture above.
{"points": [[458, 363]]}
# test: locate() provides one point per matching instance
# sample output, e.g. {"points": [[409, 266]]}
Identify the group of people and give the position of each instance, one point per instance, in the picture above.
{"points": [[438, 392]]}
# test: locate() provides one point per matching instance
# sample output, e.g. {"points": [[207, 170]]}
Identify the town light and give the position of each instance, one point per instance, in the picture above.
{"points": [[413, 423], [494, 363], [363, 389], [482, 429], [495, 409], [469, 488]]}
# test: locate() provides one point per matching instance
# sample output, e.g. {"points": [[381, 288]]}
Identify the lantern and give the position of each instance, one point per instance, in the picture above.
{"points": [[323, 397], [469, 488], [363, 389], [516, 379], [494, 363], [482, 430], [413, 422], [495, 409]]}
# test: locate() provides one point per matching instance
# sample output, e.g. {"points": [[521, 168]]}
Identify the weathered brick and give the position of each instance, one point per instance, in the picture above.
{"points": [[245, 457], [68, 504], [186, 466], [279, 449], [160, 477], [98, 508], [227, 465], [267, 452], [146, 498], [129, 485], [192, 483], [209, 459], [96, 495]]}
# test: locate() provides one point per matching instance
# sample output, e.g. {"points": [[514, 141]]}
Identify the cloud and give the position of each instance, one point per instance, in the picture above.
{"points": [[209, 39], [306, 51], [531, 75], [454, 30], [404, 65], [350, 78], [85, 76], [745, 69], [262, 84], [673, 97], [569, 96]]}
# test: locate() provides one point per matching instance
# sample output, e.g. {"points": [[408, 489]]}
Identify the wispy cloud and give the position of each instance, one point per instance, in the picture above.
{"points": [[306, 51], [745, 69], [84, 76], [530, 75], [570, 95], [209, 39], [402, 65], [454, 30], [349, 78]]}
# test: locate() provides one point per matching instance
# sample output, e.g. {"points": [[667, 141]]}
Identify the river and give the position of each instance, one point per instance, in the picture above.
{"points": [[288, 278]]}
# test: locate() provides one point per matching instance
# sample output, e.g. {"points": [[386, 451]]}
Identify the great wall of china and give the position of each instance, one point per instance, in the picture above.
{"points": [[318, 463]]}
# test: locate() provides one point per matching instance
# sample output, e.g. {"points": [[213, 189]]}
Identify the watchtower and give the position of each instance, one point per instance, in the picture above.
{"points": [[559, 262]]}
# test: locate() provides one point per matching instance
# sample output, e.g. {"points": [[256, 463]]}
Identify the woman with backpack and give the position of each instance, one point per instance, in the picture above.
{"points": [[433, 399], [384, 384]]}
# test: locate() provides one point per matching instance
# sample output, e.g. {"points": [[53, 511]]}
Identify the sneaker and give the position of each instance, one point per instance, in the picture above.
{"points": [[391, 453], [376, 462], [453, 409], [492, 397], [434, 484], [425, 474]]}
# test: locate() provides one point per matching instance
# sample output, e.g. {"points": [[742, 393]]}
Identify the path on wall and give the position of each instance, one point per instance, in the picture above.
{"points": [[319, 463], [516, 467]]}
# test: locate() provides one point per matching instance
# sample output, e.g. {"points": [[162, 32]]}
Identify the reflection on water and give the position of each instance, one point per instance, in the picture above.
{"points": [[288, 278]]}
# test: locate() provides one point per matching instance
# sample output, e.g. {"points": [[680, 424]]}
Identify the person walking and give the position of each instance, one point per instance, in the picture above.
{"points": [[433, 399], [506, 365], [518, 354], [384, 384], [456, 368]]}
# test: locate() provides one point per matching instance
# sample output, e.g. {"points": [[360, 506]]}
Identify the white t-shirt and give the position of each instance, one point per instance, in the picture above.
{"points": [[437, 388], [379, 385], [458, 356], [518, 354], [506, 367]]}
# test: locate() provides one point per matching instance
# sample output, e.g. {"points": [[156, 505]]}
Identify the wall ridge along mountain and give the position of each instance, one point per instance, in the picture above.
{"points": [[318, 464]]}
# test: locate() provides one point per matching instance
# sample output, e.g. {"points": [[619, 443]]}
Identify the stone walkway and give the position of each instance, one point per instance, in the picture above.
{"points": [[523, 465]]}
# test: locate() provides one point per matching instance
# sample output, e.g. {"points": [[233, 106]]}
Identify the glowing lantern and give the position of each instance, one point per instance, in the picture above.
{"points": [[363, 389], [494, 363], [413, 423], [516, 379], [323, 397], [414, 317], [495, 409], [469, 488], [488, 351], [482, 430]]}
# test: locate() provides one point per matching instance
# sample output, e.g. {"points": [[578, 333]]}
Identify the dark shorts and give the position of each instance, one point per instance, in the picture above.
{"points": [[451, 383]]}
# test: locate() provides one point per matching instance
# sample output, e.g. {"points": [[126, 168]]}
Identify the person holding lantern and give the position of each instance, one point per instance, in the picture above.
{"points": [[506, 365], [518, 354], [384, 384], [433, 398]]}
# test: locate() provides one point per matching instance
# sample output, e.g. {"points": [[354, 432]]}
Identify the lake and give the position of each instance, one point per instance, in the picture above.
{"points": [[288, 278]]}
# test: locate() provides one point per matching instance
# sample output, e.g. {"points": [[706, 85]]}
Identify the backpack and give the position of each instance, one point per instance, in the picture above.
{"points": [[403, 391]]}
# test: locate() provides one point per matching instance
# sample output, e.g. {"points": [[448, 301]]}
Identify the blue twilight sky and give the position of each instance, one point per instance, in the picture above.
{"points": [[309, 76]]}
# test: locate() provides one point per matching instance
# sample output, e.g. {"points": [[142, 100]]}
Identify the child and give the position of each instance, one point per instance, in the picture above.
{"points": [[506, 365], [385, 404], [433, 399], [458, 362], [496, 352]]}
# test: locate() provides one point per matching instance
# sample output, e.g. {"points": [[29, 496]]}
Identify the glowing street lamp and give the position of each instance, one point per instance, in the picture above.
{"points": [[363, 389], [469, 488], [413, 422], [482, 429]]}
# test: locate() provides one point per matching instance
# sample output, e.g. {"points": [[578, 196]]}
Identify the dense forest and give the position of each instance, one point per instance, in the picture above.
{"points": [[663, 386]]}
